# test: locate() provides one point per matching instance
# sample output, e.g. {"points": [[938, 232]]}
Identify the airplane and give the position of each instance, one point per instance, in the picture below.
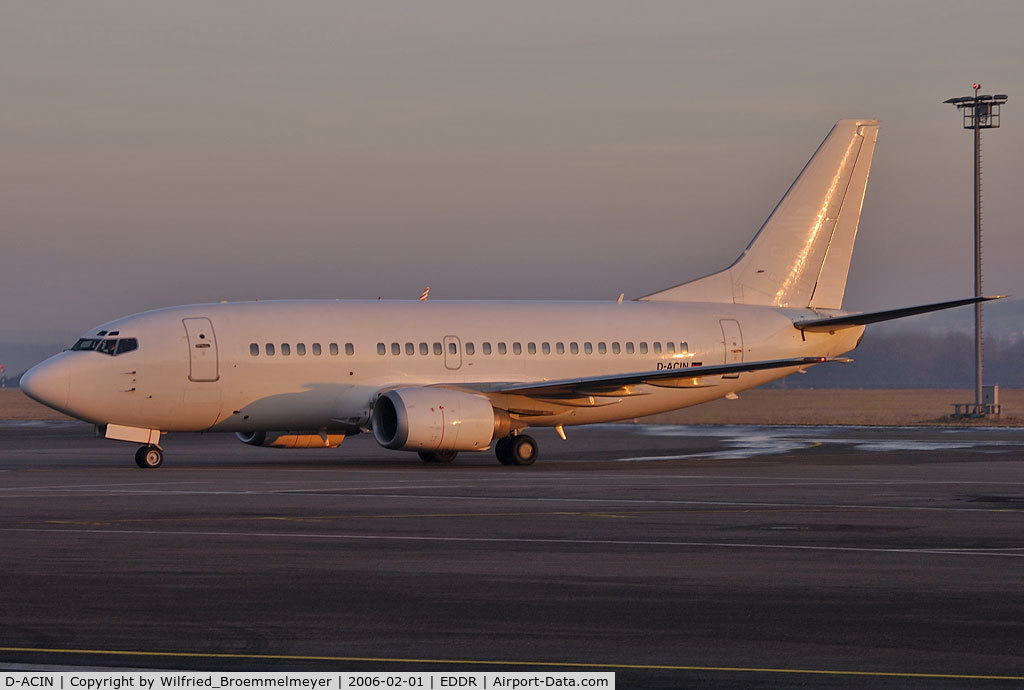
{"points": [[442, 377]]}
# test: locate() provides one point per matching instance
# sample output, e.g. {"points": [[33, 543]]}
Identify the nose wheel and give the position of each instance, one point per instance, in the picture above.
{"points": [[149, 457], [517, 450]]}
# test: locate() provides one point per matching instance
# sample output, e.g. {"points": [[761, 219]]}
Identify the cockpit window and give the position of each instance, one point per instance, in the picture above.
{"points": [[86, 344], [108, 346], [126, 345]]}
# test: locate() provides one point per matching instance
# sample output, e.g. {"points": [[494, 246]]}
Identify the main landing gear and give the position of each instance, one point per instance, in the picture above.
{"points": [[511, 450], [517, 450], [149, 457]]}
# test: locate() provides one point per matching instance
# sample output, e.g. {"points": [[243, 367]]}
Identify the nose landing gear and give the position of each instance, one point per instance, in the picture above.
{"points": [[149, 457], [517, 450]]}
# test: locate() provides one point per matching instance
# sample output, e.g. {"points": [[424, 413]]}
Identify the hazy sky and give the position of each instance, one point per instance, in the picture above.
{"points": [[167, 153]]}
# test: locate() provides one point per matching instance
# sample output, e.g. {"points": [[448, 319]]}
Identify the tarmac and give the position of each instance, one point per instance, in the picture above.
{"points": [[675, 556]]}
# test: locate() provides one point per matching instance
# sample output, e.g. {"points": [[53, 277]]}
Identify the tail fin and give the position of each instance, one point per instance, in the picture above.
{"points": [[801, 255]]}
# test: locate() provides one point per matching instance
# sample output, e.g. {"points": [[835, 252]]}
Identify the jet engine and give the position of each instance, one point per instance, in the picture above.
{"points": [[289, 439], [437, 420]]}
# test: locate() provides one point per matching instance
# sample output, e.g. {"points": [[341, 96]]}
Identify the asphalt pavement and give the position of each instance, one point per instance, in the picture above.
{"points": [[675, 556]]}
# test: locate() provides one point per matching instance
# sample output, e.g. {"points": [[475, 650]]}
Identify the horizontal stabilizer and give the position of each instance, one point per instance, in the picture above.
{"points": [[851, 320]]}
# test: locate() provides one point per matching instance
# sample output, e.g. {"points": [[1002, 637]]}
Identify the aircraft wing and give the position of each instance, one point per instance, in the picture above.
{"points": [[617, 384], [836, 323]]}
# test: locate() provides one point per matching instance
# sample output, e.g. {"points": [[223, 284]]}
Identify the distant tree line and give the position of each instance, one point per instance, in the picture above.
{"points": [[908, 359]]}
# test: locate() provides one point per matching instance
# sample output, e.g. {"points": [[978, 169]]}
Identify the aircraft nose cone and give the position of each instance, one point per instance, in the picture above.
{"points": [[48, 382]]}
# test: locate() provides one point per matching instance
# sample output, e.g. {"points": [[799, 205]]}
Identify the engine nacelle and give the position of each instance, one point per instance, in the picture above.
{"points": [[288, 439], [437, 419]]}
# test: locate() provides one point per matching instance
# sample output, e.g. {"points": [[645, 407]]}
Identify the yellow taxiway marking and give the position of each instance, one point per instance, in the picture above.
{"points": [[532, 664]]}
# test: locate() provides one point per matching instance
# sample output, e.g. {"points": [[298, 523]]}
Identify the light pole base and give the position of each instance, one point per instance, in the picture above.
{"points": [[975, 410]]}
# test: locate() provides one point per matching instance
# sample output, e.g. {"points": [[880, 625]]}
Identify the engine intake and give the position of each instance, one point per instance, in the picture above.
{"points": [[437, 419]]}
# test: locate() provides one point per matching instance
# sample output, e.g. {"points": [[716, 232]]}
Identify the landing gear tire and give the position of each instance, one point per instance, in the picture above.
{"points": [[439, 457], [501, 450], [517, 450], [149, 457]]}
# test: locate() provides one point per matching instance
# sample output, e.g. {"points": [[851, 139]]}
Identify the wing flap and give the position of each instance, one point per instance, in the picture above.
{"points": [[568, 389]]}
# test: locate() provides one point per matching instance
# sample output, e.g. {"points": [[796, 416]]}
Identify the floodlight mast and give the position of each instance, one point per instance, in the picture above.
{"points": [[979, 112]]}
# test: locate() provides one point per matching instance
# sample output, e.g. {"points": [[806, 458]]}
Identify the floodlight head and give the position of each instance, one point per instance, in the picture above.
{"points": [[979, 111]]}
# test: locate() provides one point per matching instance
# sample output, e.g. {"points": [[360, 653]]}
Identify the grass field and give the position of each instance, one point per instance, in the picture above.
{"points": [[758, 406]]}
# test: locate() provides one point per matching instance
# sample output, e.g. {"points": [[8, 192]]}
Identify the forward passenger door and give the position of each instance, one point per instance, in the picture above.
{"points": [[202, 350]]}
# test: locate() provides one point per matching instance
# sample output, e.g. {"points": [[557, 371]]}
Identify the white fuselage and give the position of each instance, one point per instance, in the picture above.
{"points": [[230, 381]]}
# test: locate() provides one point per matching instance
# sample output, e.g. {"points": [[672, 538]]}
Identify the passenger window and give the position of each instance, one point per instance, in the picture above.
{"points": [[270, 349], [382, 349], [396, 349], [129, 344], [350, 349], [286, 349], [545, 348], [588, 348], [517, 349], [629, 348], [657, 348], [616, 349], [300, 349], [437, 349], [470, 348], [560, 348], [424, 349], [487, 348], [502, 349], [316, 349], [334, 349], [254, 349], [531, 348], [602, 349], [574, 348], [670, 348], [684, 347], [643, 348], [453, 349], [410, 349]]}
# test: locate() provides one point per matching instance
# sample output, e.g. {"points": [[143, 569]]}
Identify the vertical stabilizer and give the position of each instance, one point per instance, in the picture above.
{"points": [[801, 255]]}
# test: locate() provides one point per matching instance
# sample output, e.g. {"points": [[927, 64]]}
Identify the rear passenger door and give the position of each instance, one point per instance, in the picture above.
{"points": [[732, 338]]}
